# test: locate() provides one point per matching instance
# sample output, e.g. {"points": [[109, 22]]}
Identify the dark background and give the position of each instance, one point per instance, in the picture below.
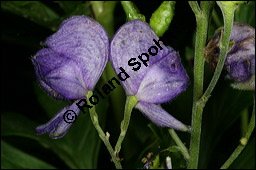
{"points": [[24, 105]]}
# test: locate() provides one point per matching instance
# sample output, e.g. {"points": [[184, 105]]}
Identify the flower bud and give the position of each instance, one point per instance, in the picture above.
{"points": [[162, 17], [155, 71], [240, 60], [66, 68]]}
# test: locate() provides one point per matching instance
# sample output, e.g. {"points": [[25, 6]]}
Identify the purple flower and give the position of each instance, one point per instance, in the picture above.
{"points": [[240, 60], [72, 63], [58, 126], [154, 73]]}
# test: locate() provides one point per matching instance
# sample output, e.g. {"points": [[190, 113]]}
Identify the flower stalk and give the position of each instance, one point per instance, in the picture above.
{"points": [[131, 11], [202, 18], [228, 16], [183, 149], [131, 101], [198, 100], [104, 137]]}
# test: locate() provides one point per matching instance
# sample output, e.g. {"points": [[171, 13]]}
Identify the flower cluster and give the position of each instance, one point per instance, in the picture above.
{"points": [[76, 56]]}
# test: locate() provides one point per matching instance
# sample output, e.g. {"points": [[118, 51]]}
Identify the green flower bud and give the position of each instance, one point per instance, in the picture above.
{"points": [[162, 17]]}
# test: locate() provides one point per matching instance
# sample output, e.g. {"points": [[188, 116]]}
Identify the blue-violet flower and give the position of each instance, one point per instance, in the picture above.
{"points": [[240, 60], [71, 65], [157, 75]]}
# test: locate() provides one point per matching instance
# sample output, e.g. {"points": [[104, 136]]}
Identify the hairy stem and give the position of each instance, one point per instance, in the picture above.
{"points": [[183, 149], [104, 14], [227, 9], [132, 11], [131, 101], [102, 135], [202, 18], [228, 16]]}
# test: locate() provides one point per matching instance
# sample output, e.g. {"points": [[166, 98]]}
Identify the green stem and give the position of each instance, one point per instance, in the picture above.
{"points": [[104, 138], [183, 149], [132, 11], [228, 16], [243, 141], [97, 8], [198, 104], [131, 101], [195, 8], [202, 18], [104, 14]]}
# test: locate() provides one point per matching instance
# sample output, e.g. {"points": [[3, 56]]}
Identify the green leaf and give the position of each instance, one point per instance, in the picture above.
{"points": [[156, 163], [69, 6], [34, 11], [14, 124], [79, 148], [17, 125], [174, 149], [12, 158], [75, 8], [246, 13]]}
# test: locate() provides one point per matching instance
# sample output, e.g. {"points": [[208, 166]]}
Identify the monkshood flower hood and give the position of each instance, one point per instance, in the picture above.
{"points": [[154, 78], [240, 60], [66, 68]]}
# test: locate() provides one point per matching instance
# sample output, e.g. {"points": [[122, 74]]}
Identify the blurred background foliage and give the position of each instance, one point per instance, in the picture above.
{"points": [[24, 105]]}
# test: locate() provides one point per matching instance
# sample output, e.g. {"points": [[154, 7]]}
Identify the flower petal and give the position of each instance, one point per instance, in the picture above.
{"points": [[86, 42], [239, 69], [131, 40], [58, 126], [160, 117], [165, 80], [241, 32], [58, 75], [240, 60]]}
